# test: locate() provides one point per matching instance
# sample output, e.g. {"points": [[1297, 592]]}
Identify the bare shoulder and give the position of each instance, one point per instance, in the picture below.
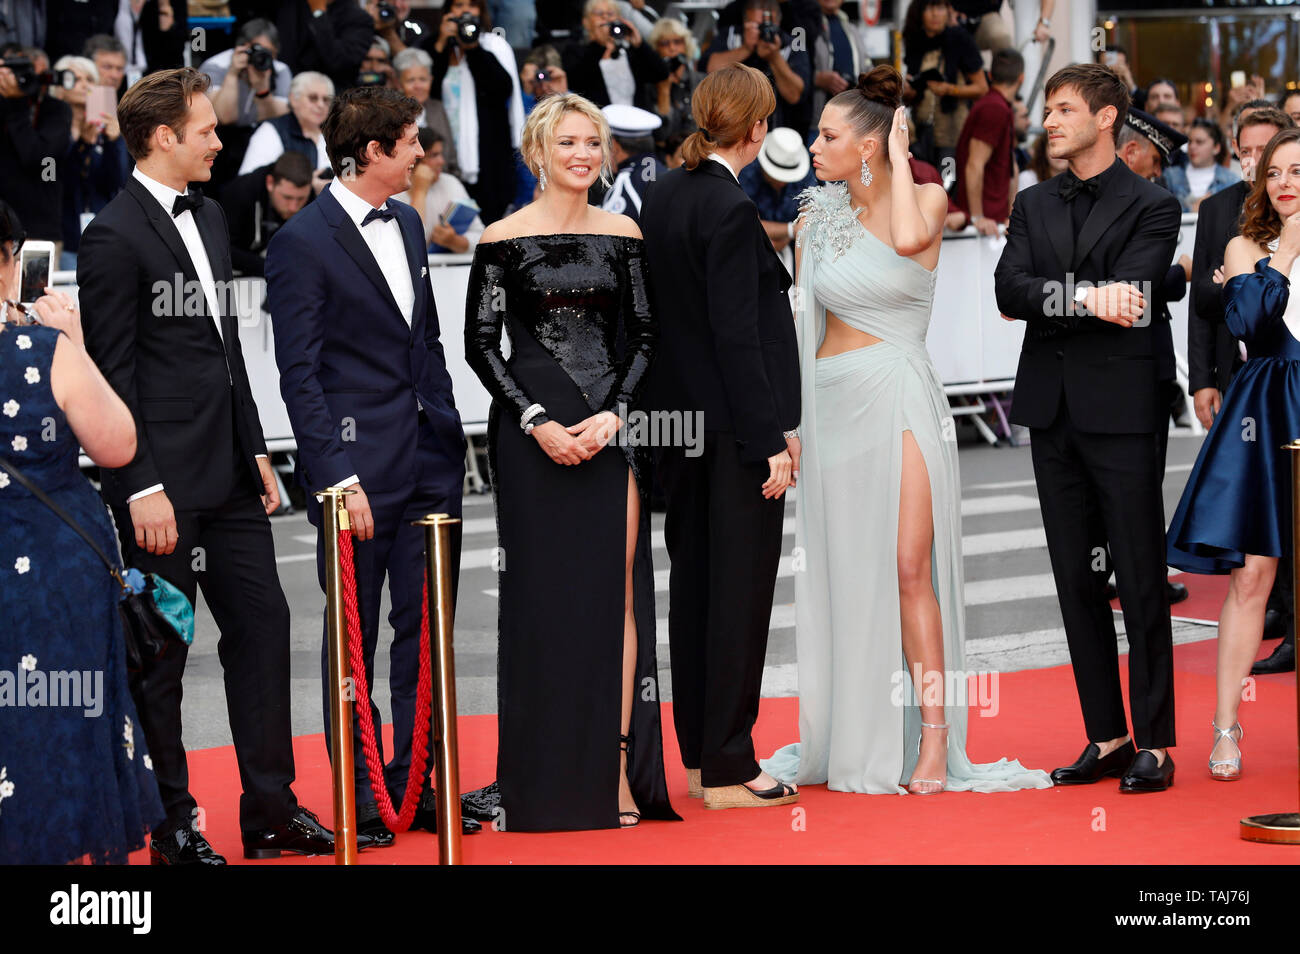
{"points": [[931, 193], [1240, 256], [615, 223], [514, 225]]}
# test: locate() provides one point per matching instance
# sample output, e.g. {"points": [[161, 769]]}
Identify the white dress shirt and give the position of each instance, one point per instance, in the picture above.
{"points": [[384, 239], [189, 231], [716, 157]]}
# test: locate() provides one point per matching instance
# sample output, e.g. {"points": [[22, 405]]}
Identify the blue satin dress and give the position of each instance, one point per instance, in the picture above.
{"points": [[1238, 495]]}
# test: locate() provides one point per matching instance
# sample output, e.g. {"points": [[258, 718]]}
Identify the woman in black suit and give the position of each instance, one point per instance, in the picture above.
{"points": [[727, 358]]}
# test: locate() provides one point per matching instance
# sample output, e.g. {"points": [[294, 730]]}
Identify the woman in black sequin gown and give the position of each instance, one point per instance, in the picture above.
{"points": [[576, 654]]}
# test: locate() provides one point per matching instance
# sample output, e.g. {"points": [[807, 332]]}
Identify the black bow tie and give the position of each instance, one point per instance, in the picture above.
{"points": [[191, 202], [1072, 185], [384, 215]]}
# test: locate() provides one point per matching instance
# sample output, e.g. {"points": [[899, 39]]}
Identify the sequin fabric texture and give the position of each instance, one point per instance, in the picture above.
{"points": [[582, 297]]}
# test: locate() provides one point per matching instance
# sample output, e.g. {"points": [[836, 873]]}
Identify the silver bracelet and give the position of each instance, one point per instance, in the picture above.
{"points": [[531, 412], [790, 435]]}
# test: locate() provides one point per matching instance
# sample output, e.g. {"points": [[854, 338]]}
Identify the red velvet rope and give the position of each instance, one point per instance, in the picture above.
{"points": [[423, 700]]}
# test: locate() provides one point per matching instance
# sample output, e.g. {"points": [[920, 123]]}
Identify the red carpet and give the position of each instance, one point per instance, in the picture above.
{"points": [[1205, 596], [1038, 722]]}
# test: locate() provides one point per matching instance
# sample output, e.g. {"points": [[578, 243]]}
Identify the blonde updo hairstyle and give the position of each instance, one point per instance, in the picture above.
{"points": [[726, 105], [539, 132]]}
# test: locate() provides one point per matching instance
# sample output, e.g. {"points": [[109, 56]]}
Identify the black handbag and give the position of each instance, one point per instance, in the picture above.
{"points": [[155, 615]]}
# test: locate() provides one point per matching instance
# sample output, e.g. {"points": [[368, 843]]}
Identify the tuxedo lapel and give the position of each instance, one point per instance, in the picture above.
{"points": [[418, 261], [221, 274], [1105, 211], [348, 235], [1059, 230], [164, 225]]}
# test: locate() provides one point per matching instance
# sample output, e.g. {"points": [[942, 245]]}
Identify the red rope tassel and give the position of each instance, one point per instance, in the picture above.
{"points": [[423, 700]]}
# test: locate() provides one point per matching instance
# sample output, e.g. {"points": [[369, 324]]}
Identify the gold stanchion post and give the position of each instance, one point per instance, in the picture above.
{"points": [[1283, 828], [341, 759], [438, 569]]}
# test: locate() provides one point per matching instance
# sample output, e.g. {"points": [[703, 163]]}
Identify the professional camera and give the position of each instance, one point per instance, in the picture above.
{"points": [[260, 58], [620, 34], [387, 13], [30, 82], [467, 28], [768, 31], [673, 63]]}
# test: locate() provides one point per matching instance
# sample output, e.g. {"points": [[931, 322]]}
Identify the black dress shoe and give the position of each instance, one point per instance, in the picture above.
{"points": [[1177, 591], [1276, 625], [1282, 659], [1145, 775], [184, 846], [372, 826], [302, 834], [482, 803], [1091, 766], [426, 816]]}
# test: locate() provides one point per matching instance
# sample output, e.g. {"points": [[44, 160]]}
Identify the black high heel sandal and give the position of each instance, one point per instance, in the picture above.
{"points": [[625, 745]]}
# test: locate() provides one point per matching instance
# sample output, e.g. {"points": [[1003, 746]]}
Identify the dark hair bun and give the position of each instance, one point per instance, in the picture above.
{"points": [[882, 85]]}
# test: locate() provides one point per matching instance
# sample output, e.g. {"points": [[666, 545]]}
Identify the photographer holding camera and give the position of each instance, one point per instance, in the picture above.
{"points": [[758, 41], [613, 64], [671, 98], [248, 83], [474, 75], [389, 18], [35, 130]]}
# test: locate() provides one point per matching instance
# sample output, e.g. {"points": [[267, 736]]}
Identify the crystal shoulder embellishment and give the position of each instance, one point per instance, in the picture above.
{"points": [[829, 223]]}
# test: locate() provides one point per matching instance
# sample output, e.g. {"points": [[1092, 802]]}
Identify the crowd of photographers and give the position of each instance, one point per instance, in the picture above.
{"points": [[478, 67]]}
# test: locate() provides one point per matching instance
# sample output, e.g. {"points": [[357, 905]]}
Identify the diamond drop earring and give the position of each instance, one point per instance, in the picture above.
{"points": [[866, 173], [541, 179]]}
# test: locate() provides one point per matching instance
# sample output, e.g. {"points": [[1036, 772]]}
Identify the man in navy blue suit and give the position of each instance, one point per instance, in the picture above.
{"points": [[365, 382]]}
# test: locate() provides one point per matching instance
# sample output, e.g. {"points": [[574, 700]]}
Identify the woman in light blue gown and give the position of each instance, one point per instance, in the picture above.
{"points": [[878, 603]]}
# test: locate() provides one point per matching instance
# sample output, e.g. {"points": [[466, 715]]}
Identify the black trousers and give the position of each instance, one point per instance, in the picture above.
{"points": [[1094, 490], [396, 553], [724, 541], [229, 554]]}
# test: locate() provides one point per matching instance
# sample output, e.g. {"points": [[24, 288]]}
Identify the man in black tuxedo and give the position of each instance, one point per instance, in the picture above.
{"points": [[1085, 253], [193, 504], [727, 352], [1212, 353]]}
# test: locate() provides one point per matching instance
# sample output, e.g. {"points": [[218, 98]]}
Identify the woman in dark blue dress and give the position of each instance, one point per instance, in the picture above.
{"points": [[1235, 513], [579, 737], [76, 782]]}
